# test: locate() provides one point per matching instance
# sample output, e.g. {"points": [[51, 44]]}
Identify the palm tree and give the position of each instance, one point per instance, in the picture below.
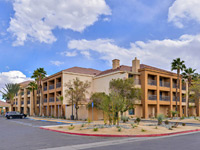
{"points": [[179, 66], [189, 75], [32, 86], [38, 75], [10, 91], [60, 97]]}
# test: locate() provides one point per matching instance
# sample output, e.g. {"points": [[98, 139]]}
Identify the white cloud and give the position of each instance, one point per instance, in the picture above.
{"points": [[86, 54], [57, 63], [35, 19], [158, 53], [69, 54], [184, 10], [12, 77]]}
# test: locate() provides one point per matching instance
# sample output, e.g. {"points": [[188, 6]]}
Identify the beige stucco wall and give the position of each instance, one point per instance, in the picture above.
{"points": [[101, 84]]}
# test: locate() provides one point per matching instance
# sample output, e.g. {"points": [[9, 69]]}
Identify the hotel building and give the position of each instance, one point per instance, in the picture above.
{"points": [[158, 91]]}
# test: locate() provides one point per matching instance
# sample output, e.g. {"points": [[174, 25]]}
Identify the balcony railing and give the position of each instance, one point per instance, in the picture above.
{"points": [[45, 88], [137, 81], [165, 98], [28, 102], [57, 99], [152, 82], [183, 99], [58, 85], [174, 86], [22, 102], [38, 101], [174, 98], [22, 93], [45, 100], [16, 103], [51, 87], [51, 99], [164, 84], [16, 94], [152, 97]]}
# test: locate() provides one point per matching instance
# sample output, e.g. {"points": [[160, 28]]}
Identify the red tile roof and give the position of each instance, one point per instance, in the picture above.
{"points": [[129, 69], [83, 70], [4, 104]]}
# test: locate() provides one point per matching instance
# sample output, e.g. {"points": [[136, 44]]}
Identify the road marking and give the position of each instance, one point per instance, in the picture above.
{"points": [[112, 142]]}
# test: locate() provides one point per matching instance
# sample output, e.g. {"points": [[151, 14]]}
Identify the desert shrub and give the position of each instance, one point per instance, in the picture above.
{"points": [[156, 127], [160, 118], [60, 127], [174, 113], [119, 129], [125, 119], [88, 120], [166, 122], [175, 125], [170, 129], [105, 122], [143, 130], [137, 120], [182, 118], [133, 125], [183, 124], [83, 125], [95, 129], [71, 127]]}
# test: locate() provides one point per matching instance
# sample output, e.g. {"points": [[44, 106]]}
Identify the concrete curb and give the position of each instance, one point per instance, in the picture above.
{"points": [[108, 135]]}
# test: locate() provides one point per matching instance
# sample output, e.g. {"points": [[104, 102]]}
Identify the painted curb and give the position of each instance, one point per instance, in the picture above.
{"points": [[49, 121], [109, 135]]}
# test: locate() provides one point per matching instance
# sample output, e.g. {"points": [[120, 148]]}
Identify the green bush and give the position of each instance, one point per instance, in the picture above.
{"points": [[166, 122], [95, 129], [137, 120], [71, 127], [174, 113], [156, 127], [119, 129], [160, 118], [143, 130], [183, 124], [83, 125], [125, 119], [182, 118], [133, 125], [88, 120]]}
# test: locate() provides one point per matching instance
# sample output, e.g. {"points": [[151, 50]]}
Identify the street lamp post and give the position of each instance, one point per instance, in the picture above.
{"points": [[72, 116]]}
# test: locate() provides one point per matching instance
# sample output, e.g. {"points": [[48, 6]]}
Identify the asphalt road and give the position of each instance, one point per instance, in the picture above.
{"points": [[24, 134]]}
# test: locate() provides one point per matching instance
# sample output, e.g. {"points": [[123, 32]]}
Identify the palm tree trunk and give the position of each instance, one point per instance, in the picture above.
{"points": [[76, 113]]}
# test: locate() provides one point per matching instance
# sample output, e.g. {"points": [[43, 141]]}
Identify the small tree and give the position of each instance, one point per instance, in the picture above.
{"points": [[125, 89], [160, 118], [60, 98], [77, 89]]}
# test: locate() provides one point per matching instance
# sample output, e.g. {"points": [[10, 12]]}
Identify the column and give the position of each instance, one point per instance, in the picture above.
{"points": [[19, 101], [180, 103], [31, 103], [25, 102], [158, 95], [171, 97], [55, 108], [144, 84]]}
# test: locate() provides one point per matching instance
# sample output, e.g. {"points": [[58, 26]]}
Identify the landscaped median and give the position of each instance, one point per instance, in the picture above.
{"points": [[124, 129]]}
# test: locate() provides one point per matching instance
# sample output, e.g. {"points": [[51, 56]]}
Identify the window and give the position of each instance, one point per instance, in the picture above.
{"points": [[130, 75], [131, 111]]}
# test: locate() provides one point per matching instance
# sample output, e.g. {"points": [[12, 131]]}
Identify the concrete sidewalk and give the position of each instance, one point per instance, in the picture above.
{"points": [[56, 120]]}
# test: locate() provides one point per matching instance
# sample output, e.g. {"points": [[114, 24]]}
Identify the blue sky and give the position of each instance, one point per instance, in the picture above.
{"points": [[58, 34]]}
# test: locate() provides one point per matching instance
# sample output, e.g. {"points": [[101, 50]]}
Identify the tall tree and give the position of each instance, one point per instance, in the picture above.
{"points": [[189, 75], [10, 91], [77, 90], [38, 75], [32, 86], [178, 65]]}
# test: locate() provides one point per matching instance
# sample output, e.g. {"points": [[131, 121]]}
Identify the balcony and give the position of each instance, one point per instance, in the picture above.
{"points": [[164, 84], [174, 86], [137, 82], [22, 93], [183, 99], [57, 99], [174, 99], [152, 82], [165, 98], [28, 102], [45, 88], [22, 102], [152, 97], [58, 85], [51, 99], [51, 87], [38, 101], [45, 100]]}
